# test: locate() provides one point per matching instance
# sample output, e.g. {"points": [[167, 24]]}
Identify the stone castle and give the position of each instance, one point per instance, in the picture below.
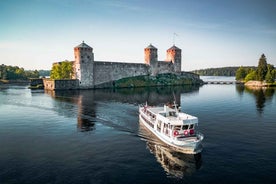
{"points": [[89, 73]]}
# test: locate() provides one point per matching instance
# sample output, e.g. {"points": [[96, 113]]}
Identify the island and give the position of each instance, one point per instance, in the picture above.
{"points": [[86, 73], [263, 76]]}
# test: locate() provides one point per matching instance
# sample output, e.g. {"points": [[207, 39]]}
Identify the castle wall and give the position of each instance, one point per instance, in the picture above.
{"points": [[35, 82], [165, 67], [87, 75], [65, 84], [90, 74], [49, 84], [110, 71]]}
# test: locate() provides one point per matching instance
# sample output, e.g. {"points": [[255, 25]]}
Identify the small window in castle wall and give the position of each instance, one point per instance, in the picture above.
{"points": [[88, 57]]}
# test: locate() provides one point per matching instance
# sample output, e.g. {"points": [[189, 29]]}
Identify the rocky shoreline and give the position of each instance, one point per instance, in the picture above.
{"points": [[259, 84]]}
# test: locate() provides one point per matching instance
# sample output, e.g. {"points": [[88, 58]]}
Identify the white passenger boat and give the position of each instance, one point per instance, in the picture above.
{"points": [[177, 129]]}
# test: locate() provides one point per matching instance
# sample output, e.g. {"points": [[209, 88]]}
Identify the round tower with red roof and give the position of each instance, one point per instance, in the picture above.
{"points": [[174, 56]]}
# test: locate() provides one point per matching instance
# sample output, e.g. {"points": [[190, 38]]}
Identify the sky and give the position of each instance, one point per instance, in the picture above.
{"points": [[211, 33]]}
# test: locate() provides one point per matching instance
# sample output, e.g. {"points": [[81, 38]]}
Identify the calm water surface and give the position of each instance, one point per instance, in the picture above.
{"points": [[95, 136]]}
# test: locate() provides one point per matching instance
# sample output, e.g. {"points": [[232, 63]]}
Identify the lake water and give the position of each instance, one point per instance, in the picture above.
{"points": [[94, 136]]}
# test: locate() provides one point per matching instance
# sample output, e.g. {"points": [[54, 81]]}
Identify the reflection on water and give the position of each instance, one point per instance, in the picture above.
{"points": [[86, 110], [174, 163], [43, 137], [262, 95], [85, 125], [86, 100]]}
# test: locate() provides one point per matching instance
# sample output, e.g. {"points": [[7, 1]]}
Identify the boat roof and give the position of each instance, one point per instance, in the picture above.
{"points": [[172, 118]]}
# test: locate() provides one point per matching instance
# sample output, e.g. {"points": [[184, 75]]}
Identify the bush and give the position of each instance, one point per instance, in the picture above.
{"points": [[251, 76]]}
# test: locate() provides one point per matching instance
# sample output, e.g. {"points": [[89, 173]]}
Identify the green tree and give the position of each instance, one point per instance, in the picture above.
{"points": [[241, 73], [270, 75], [44, 73], [252, 75], [62, 70], [262, 68], [55, 72], [15, 73], [32, 74]]}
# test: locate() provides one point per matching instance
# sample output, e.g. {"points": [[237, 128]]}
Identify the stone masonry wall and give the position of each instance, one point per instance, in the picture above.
{"points": [[110, 71], [86, 75], [165, 67], [50, 84]]}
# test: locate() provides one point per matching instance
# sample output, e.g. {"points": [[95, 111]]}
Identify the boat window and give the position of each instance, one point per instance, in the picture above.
{"points": [[191, 126], [163, 114], [177, 127], [172, 113], [185, 127]]}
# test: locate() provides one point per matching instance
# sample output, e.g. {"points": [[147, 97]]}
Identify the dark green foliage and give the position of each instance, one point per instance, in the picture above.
{"points": [[44, 73], [62, 70], [263, 72], [224, 71], [241, 73], [16, 73], [159, 80], [262, 68], [269, 77]]}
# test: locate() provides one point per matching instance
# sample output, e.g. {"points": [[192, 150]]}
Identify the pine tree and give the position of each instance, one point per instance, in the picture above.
{"points": [[262, 68]]}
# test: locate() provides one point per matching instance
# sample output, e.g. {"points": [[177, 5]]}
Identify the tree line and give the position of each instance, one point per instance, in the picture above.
{"points": [[264, 72], [16, 73], [223, 71]]}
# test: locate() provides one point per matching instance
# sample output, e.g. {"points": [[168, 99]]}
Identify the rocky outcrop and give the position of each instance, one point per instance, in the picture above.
{"points": [[258, 84]]}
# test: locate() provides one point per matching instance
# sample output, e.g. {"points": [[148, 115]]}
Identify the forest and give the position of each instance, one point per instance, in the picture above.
{"points": [[19, 73], [264, 72], [223, 71]]}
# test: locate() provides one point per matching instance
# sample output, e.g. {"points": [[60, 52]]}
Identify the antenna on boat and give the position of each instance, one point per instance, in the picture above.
{"points": [[175, 107]]}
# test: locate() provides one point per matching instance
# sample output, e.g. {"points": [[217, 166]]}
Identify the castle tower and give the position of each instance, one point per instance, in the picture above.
{"points": [[150, 54], [151, 58], [84, 65], [174, 56]]}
